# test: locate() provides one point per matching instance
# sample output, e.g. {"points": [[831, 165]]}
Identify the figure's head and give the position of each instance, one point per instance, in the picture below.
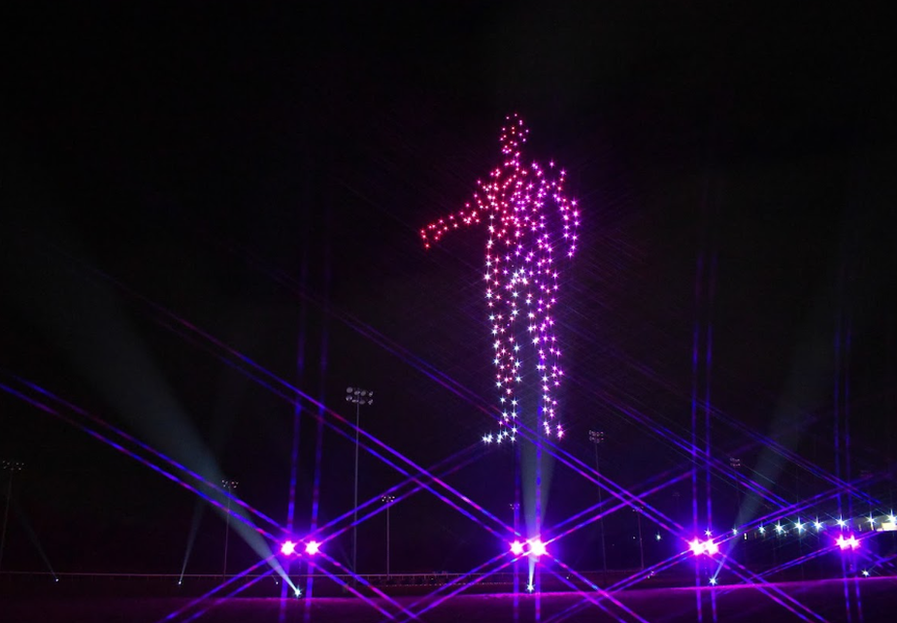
{"points": [[513, 135]]}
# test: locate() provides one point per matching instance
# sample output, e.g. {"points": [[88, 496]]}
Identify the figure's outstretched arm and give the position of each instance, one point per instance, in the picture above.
{"points": [[569, 216], [470, 215], [570, 220]]}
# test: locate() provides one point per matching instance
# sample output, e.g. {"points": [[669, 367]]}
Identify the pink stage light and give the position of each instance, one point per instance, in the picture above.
{"points": [[848, 543], [288, 548], [537, 547], [531, 228], [699, 547], [516, 548], [312, 548]]}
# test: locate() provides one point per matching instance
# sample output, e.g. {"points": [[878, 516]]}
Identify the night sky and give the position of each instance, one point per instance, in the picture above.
{"points": [[263, 176]]}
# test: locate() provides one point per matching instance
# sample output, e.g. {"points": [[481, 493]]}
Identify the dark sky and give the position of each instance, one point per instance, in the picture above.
{"points": [[263, 175]]}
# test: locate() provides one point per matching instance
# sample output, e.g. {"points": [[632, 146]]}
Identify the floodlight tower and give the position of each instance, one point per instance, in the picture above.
{"points": [[515, 513], [230, 486], [12, 467], [638, 510], [388, 500], [359, 397], [735, 464], [597, 438]]}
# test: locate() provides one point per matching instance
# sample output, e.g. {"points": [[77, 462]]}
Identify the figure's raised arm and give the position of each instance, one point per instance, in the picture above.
{"points": [[431, 234]]}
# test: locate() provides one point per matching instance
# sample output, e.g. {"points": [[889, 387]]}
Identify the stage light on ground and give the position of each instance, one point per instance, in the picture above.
{"points": [[818, 525], [713, 581], [537, 547], [534, 547], [297, 592], [892, 519], [799, 526], [762, 530], [288, 548], [865, 573], [699, 547], [848, 543], [530, 588], [841, 522], [734, 531], [707, 532], [696, 547], [779, 529], [312, 548]]}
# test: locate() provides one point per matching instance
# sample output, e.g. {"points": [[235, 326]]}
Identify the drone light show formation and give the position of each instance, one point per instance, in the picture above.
{"points": [[531, 226]]}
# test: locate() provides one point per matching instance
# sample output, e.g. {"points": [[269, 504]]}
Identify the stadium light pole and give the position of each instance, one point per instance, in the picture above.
{"points": [[515, 513], [388, 500], [12, 467], [515, 517], [230, 486], [735, 464], [358, 397], [641, 545], [597, 438]]}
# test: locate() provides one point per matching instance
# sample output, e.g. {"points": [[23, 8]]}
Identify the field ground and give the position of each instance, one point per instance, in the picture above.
{"points": [[870, 600]]}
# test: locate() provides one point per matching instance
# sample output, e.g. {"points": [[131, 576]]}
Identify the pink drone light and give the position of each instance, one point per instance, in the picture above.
{"points": [[531, 224]]}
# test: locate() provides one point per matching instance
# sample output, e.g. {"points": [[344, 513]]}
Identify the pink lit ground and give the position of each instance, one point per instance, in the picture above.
{"points": [[734, 604]]}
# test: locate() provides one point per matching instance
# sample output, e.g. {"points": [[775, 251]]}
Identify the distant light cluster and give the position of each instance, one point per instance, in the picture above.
{"points": [[521, 273]]}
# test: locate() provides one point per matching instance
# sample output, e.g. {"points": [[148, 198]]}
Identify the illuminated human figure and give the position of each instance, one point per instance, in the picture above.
{"points": [[530, 224]]}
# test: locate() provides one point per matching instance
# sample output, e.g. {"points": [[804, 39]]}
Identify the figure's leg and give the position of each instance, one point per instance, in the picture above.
{"points": [[505, 356]]}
